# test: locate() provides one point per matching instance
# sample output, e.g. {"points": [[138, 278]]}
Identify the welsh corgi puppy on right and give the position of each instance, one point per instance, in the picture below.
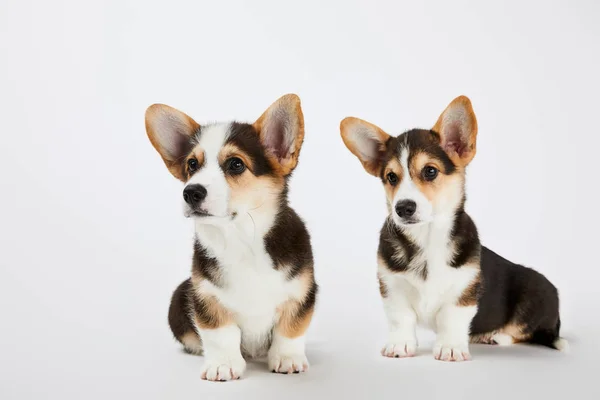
{"points": [[432, 269]]}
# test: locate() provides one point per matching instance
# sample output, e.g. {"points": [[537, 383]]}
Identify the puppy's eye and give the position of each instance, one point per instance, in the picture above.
{"points": [[392, 178], [429, 173], [192, 164], [236, 166]]}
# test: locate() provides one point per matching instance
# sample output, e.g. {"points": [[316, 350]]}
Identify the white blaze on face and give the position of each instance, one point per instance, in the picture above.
{"points": [[211, 140], [409, 191]]}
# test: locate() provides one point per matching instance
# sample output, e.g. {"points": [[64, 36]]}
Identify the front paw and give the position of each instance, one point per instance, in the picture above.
{"points": [[451, 352], [223, 370], [288, 363], [400, 349]]}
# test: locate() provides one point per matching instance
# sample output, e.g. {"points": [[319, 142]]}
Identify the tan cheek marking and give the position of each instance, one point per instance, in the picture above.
{"points": [[390, 191], [290, 324], [442, 186], [253, 191]]}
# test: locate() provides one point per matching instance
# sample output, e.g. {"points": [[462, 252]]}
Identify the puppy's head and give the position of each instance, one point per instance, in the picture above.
{"points": [[229, 168], [422, 170]]}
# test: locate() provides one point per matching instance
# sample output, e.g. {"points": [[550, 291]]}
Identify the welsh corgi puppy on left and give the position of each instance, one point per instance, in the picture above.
{"points": [[252, 289], [433, 270]]}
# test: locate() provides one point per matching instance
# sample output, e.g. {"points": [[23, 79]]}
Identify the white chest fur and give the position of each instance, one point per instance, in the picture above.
{"points": [[443, 284], [252, 289]]}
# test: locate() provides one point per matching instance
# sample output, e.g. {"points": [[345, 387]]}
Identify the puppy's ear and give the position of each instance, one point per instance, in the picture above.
{"points": [[170, 131], [457, 127], [366, 141], [281, 130]]}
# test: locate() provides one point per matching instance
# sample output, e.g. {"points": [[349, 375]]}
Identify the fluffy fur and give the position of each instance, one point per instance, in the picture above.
{"points": [[432, 269], [252, 290]]}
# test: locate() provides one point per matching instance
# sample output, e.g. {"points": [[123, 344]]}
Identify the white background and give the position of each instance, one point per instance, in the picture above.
{"points": [[93, 240]]}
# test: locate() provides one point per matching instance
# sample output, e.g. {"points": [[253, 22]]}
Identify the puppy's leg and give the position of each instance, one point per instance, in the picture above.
{"points": [[453, 327], [221, 338], [286, 354], [402, 320], [181, 318]]}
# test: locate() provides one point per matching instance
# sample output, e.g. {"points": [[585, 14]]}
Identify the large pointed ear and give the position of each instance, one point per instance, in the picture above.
{"points": [[457, 127], [281, 130], [170, 131], [366, 141]]}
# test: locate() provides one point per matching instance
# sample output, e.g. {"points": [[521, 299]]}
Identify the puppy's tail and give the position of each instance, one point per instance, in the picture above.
{"points": [[550, 338]]}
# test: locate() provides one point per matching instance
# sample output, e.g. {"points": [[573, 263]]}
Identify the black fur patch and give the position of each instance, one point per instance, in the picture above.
{"points": [[179, 310], [288, 243], [396, 249], [418, 141], [517, 295], [246, 138], [205, 266], [465, 239]]}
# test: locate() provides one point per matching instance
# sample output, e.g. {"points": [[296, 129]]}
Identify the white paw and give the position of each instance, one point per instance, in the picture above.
{"points": [[400, 349], [223, 370], [502, 339], [451, 352], [288, 363]]}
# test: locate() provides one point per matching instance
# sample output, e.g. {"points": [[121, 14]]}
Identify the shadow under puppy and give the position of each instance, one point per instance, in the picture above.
{"points": [[252, 289], [432, 269]]}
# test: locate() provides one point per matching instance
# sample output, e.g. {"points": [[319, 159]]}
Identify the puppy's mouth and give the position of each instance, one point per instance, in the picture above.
{"points": [[198, 213], [410, 222], [205, 214]]}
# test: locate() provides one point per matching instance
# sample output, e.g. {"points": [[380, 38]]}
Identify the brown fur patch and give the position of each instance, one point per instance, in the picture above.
{"points": [[516, 331], [293, 323], [513, 330], [470, 294], [230, 150], [390, 190], [197, 153], [209, 313], [443, 187], [251, 192], [382, 287]]}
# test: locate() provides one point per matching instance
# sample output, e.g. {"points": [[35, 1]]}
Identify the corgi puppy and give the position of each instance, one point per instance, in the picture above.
{"points": [[432, 269], [252, 289]]}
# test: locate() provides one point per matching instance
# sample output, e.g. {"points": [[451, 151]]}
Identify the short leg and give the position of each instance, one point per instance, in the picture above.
{"points": [[453, 327], [221, 339], [402, 323], [286, 354], [181, 321]]}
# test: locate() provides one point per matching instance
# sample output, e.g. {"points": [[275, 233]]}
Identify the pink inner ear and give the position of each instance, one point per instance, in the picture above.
{"points": [[454, 142], [275, 139]]}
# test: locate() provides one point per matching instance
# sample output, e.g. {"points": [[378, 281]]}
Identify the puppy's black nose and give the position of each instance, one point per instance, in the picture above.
{"points": [[406, 208], [194, 194]]}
